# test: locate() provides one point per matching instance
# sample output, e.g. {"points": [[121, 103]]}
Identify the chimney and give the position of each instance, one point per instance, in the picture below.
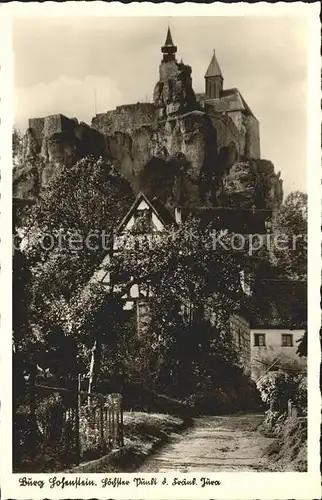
{"points": [[177, 215]]}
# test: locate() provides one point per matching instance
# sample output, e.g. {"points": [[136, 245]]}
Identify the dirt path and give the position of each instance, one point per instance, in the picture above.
{"points": [[227, 443]]}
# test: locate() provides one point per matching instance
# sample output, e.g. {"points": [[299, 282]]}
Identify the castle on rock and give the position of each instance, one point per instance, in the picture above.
{"points": [[236, 125], [203, 148]]}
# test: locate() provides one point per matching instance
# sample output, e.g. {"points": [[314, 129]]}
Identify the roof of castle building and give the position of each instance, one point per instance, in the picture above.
{"points": [[243, 221], [230, 100], [213, 68]]}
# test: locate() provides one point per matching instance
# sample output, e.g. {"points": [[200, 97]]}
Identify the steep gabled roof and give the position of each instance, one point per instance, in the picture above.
{"points": [[230, 100], [213, 68], [156, 206]]}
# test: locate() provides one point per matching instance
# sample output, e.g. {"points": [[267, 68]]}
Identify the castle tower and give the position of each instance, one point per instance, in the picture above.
{"points": [[173, 93], [213, 80], [169, 49]]}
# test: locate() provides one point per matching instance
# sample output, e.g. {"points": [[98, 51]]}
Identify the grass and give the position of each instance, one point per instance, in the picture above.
{"points": [[289, 450], [143, 434], [247, 423]]}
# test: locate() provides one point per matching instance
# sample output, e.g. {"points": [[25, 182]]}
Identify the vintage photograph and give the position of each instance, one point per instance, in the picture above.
{"points": [[160, 211]]}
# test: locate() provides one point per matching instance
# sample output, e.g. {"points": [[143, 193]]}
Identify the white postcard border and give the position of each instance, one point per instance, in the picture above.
{"points": [[233, 485]]}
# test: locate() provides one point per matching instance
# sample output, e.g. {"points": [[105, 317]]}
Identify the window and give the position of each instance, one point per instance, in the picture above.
{"points": [[287, 340], [259, 339], [142, 221]]}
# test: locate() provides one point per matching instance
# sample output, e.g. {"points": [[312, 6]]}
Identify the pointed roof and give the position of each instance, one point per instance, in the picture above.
{"points": [[213, 68], [230, 100], [168, 40], [156, 206]]}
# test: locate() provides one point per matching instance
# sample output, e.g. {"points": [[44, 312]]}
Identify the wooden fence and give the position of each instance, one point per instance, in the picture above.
{"points": [[56, 427]]}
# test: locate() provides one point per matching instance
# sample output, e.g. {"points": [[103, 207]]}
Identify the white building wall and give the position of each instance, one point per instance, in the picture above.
{"points": [[263, 356]]}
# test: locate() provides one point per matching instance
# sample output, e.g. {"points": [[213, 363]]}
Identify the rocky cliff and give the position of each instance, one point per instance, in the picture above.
{"points": [[182, 159], [171, 148], [48, 143]]}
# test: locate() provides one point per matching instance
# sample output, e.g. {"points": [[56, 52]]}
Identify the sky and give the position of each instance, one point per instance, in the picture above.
{"points": [[61, 64]]}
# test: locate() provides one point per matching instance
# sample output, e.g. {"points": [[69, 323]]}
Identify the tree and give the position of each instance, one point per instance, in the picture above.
{"points": [[65, 230], [302, 345], [183, 269], [64, 235], [17, 146], [276, 388], [291, 258]]}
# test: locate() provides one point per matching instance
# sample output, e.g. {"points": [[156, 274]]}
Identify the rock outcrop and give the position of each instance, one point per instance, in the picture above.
{"points": [[173, 93], [49, 143], [207, 150], [252, 183], [185, 153]]}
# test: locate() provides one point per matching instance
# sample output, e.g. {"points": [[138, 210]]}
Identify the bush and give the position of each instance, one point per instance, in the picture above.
{"points": [[300, 399], [276, 388], [273, 423], [50, 416]]}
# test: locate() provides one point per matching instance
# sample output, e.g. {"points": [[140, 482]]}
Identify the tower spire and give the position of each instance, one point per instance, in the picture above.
{"points": [[213, 68], [169, 49], [214, 79], [169, 40]]}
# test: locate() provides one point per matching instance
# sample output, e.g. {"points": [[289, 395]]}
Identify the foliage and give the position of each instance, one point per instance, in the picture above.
{"points": [[289, 448], [300, 399], [181, 353], [183, 270], [273, 422], [92, 198], [302, 345], [17, 146], [292, 225], [276, 388], [80, 200]]}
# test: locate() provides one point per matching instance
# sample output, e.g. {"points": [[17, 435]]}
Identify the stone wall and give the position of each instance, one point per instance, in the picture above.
{"points": [[124, 118], [226, 131], [252, 141]]}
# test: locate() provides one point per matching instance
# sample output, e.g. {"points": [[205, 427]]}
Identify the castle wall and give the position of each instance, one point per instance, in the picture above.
{"points": [[237, 118], [124, 118], [248, 128], [252, 137], [227, 131], [238, 127]]}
